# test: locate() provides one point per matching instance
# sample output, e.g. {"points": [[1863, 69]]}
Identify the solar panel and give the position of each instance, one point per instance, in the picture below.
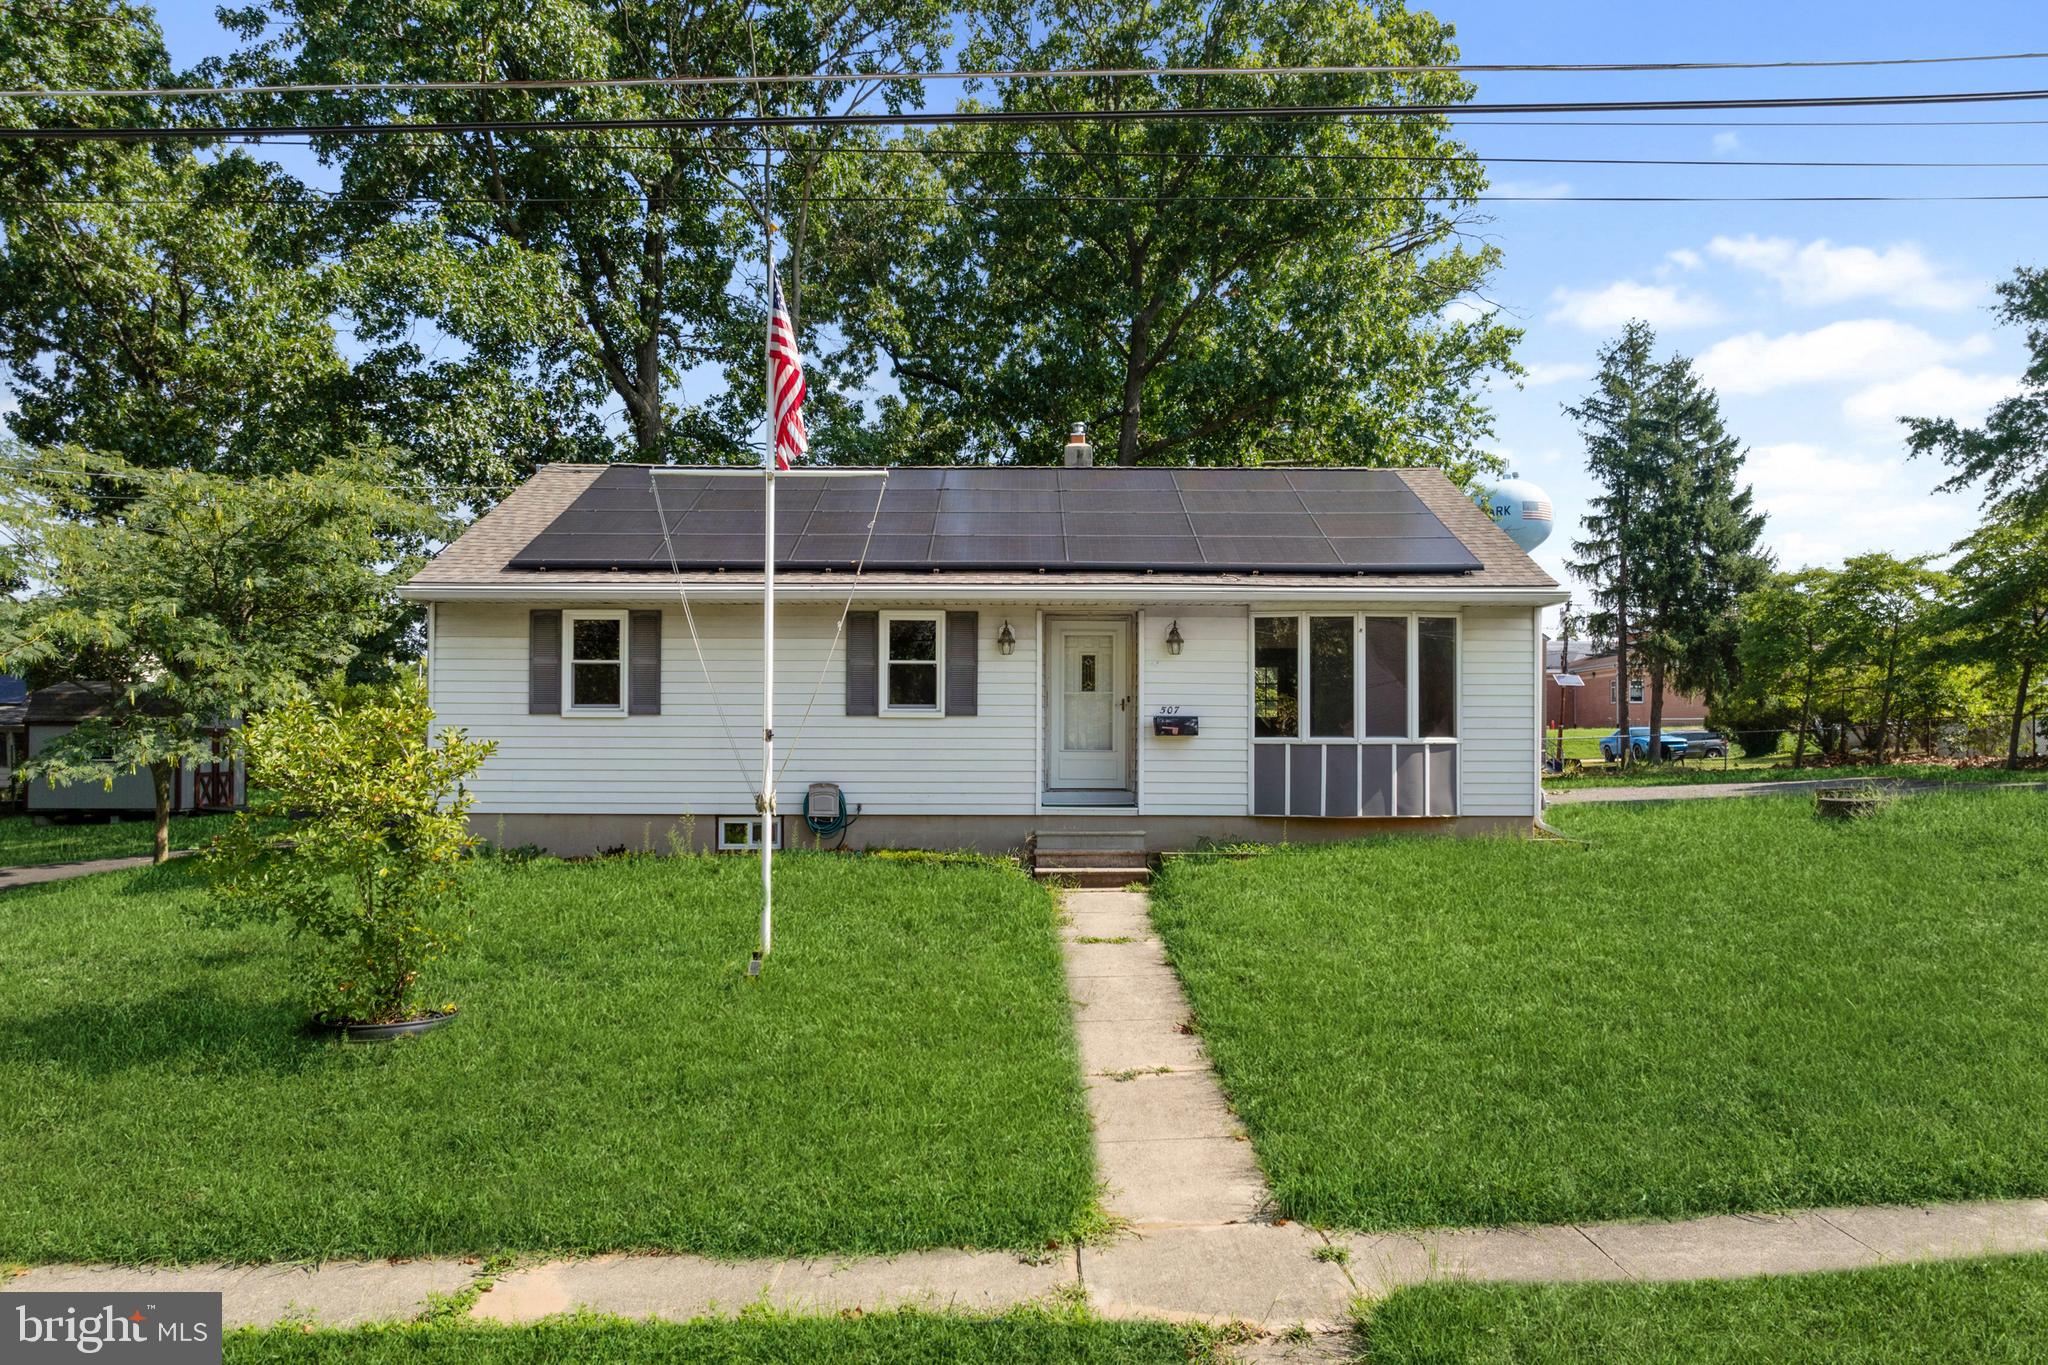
{"points": [[1055, 519]]}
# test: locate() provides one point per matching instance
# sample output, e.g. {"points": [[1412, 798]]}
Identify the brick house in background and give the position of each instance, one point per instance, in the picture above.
{"points": [[1597, 704]]}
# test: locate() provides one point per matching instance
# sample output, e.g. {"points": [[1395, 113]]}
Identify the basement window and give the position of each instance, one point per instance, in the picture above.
{"points": [[742, 833]]}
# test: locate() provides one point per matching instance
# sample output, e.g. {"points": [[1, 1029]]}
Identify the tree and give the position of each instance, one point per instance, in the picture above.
{"points": [[2009, 453], [1701, 535], [1621, 426], [597, 270], [2000, 610], [378, 807], [1884, 609], [207, 598], [1785, 647], [1210, 291]]}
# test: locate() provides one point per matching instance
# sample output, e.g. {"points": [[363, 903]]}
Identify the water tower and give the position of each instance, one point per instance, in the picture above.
{"points": [[1518, 507]]}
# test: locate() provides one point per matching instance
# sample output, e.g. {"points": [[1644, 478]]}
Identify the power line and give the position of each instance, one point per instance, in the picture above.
{"points": [[398, 201], [1049, 74], [979, 117]]}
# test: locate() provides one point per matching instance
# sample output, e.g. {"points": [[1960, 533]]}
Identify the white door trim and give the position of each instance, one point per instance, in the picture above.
{"points": [[1117, 788]]}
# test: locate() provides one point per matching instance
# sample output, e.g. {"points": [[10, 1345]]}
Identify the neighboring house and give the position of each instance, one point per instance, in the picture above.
{"points": [[1195, 653], [13, 734], [57, 709], [1598, 703]]}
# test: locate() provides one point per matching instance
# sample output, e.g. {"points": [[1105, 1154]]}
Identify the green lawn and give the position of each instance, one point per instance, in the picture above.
{"points": [[904, 1074], [900, 1338], [24, 843], [1990, 1310], [1779, 769], [1716, 1006]]}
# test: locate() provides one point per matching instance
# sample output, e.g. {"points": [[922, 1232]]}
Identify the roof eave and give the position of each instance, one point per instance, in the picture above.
{"points": [[641, 589]]}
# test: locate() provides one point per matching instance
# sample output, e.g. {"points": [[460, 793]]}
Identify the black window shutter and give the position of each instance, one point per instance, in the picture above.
{"points": [[544, 663], [863, 663], [963, 663], [643, 688]]}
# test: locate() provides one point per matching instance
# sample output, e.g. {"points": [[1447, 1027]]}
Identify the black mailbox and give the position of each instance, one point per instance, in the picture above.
{"points": [[1176, 725]]}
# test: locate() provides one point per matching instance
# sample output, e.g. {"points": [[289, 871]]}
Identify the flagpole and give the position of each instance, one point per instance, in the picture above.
{"points": [[766, 800]]}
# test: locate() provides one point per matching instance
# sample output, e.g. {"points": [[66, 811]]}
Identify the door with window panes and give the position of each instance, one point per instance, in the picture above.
{"points": [[1087, 734]]}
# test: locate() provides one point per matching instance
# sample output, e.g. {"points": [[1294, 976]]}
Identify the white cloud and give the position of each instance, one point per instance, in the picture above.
{"points": [[1825, 505], [1932, 391], [1859, 349], [1657, 304], [1685, 258], [1820, 272], [1545, 373], [1727, 144]]}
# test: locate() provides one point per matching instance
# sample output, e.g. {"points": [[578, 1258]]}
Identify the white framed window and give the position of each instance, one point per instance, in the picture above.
{"points": [[594, 663], [742, 833], [913, 663], [1635, 689], [1377, 676]]}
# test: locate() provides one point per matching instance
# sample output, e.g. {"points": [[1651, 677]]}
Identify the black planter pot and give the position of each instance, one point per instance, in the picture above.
{"points": [[384, 1033]]}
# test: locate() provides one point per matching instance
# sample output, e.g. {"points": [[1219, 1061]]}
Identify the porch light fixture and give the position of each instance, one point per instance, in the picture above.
{"points": [[1173, 640], [1006, 640]]}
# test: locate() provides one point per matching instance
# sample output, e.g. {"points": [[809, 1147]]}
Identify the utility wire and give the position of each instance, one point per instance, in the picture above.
{"points": [[979, 117], [1138, 200], [1045, 74]]}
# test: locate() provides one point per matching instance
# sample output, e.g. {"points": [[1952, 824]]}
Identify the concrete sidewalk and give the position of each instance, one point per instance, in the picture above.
{"points": [[11, 877]]}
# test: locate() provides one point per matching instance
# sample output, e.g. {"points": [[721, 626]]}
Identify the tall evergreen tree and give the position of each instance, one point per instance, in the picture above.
{"points": [[1621, 426]]}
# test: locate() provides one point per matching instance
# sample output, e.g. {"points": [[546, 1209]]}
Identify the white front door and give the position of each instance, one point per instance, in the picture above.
{"points": [[1090, 696]]}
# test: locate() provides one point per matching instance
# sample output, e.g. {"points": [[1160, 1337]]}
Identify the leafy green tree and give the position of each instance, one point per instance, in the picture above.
{"points": [[593, 271], [1786, 648], [1886, 612], [207, 598], [1201, 291], [372, 872], [2000, 610], [1623, 430], [2009, 453]]}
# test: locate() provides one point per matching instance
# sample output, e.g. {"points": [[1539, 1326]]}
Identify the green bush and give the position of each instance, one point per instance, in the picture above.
{"points": [[370, 871], [1755, 730]]}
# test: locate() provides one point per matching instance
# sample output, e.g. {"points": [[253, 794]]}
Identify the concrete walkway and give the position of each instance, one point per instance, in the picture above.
{"points": [[1198, 1241], [1571, 796], [11, 877]]}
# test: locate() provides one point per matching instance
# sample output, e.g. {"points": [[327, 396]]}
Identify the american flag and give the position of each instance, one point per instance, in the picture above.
{"points": [[786, 380]]}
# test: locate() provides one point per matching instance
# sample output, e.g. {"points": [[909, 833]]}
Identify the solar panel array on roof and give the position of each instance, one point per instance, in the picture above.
{"points": [[1051, 519]]}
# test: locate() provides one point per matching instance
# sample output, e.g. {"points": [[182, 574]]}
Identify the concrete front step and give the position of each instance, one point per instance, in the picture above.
{"points": [[1095, 877], [1089, 840], [1089, 857]]}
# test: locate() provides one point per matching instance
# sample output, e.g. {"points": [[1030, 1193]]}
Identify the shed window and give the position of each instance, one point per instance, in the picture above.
{"points": [[595, 680], [1276, 677], [912, 663]]}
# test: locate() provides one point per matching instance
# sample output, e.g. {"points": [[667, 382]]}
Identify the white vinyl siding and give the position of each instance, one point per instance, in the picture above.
{"points": [[1498, 721], [681, 762], [1202, 774]]}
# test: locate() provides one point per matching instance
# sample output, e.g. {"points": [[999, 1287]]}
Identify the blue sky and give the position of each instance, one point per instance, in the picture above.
{"points": [[1819, 323]]}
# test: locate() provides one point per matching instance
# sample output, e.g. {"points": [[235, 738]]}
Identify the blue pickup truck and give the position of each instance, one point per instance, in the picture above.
{"points": [[1639, 744]]}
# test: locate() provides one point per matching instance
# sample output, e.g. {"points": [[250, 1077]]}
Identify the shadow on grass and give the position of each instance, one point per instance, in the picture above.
{"points": [[194, 1030]]}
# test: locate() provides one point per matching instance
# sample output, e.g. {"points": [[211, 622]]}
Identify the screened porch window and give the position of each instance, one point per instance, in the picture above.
{"points": [[1399, 672], [1276, 677]]}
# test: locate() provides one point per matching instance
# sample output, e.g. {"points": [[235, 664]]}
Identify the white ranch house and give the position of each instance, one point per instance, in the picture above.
{"points": [[1229, 654]]}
